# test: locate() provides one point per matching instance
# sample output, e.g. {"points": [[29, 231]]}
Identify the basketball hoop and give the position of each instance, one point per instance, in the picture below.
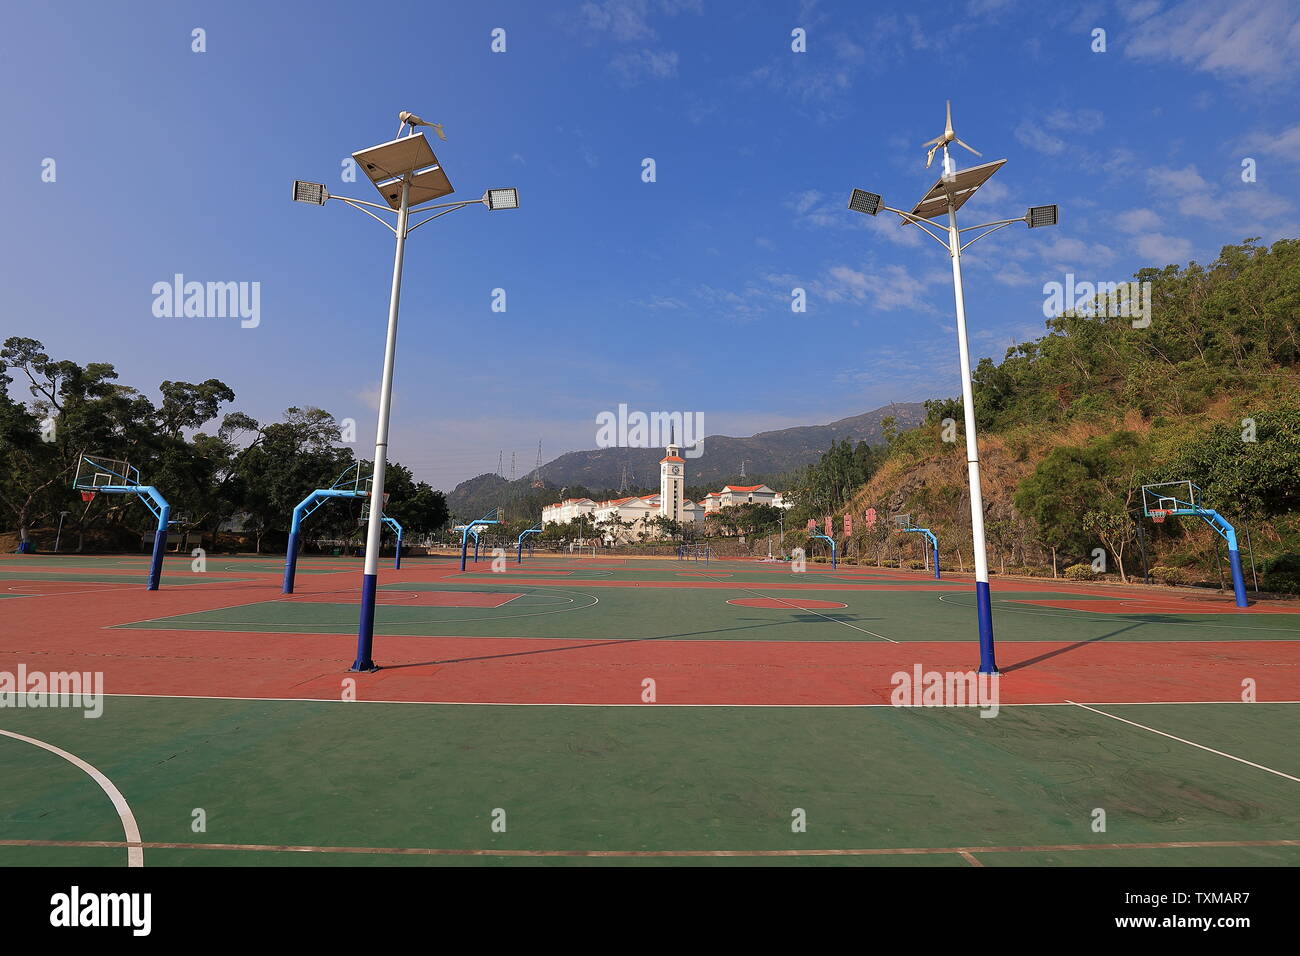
{"points": [[87, 496], [1159, 516]]}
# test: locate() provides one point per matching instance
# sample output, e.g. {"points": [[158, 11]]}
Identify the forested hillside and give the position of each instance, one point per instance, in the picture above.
{"points": [[1073, 423]]}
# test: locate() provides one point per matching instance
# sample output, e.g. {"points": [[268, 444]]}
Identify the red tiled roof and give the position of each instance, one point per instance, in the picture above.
{"points": [[742, 487], [672, 458]]}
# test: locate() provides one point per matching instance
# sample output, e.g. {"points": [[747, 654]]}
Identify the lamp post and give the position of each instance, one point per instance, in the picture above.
{"points": [[407, 174], [58, 535], [946, 196]]}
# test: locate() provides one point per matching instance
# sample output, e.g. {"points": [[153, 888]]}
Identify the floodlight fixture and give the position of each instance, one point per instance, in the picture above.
{"points": [[1041, 216], [863, 201], [507, 198], [310, 192]]}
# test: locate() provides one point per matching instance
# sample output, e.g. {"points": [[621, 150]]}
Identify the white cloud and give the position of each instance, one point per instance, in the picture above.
{"points": [[889, 288], [1162, 250], [625, 20], [1075, 255], [1076, 121], [1281, 143], [1038, 139], [1259, 41], [636, 65], [1136, 220]]}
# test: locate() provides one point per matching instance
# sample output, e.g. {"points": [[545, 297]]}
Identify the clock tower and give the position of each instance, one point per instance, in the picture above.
{"points": [[672, 484]]}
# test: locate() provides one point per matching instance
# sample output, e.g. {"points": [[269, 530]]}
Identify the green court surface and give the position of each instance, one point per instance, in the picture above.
{"points": [[563, 610], [391, 777]]}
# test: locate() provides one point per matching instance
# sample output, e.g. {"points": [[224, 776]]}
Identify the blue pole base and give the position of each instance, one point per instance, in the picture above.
{"points": [[936, 564], [155, 565], [366, 629], [1238, 580], [290, 563], [988, 665]]}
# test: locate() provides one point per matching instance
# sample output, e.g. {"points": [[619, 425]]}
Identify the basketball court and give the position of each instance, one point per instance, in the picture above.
{"points": [[574, 709]]}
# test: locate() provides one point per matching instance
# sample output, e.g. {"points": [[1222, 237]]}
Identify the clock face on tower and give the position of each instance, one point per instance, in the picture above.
{"points": [[676, 470]]}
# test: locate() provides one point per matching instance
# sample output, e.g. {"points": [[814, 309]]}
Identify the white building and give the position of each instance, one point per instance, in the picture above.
{"points": [[732, 495], [562, 512], [627, 519]]}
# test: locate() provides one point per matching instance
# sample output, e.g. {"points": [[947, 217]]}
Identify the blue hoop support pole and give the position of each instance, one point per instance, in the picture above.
{"points": [[833, 548], [397, 531], [1229, 534], [519, 554], [934, 549], [301, 511], [158, 506], [159, 543], [465, 532]]}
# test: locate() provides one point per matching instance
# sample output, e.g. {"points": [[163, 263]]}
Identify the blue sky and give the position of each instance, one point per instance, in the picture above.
{"points": [[671, 295]]}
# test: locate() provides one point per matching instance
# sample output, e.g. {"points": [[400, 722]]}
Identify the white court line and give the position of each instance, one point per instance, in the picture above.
{"points": [[134, 854], [1190, 743], [1005, 605], [561, 703]]}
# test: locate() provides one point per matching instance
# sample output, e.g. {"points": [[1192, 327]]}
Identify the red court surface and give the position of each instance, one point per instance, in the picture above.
{"points": [[76, 631]]}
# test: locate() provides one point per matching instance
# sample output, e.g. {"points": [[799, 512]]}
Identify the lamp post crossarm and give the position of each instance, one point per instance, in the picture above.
{"points": [[446, 208], [921, 224], [994, 228], [358, 204]]}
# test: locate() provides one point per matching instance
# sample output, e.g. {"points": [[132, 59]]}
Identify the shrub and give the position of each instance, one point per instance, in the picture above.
{"points": [[916, 565], [1281, 573], [1167, 575], [1080, 572]]}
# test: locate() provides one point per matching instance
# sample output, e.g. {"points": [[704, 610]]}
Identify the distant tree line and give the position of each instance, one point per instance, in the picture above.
{"points": [[219, 468]]}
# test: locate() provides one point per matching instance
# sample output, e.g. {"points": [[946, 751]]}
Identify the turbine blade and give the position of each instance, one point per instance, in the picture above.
{"points": [[971, 148], [932, 142], [947, 128]]}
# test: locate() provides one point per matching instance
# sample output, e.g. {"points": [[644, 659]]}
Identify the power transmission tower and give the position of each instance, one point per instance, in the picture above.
{"points": [[622, 479], [743, 462], [512, 466], [499, 456], [537, 471]]}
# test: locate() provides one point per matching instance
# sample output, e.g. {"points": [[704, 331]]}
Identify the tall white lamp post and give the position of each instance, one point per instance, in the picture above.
{"points": [[945, 197], [407, 174]]}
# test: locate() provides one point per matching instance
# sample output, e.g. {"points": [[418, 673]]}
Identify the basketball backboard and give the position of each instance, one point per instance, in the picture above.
{"points": [[1171, 497], [97, 472]]}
